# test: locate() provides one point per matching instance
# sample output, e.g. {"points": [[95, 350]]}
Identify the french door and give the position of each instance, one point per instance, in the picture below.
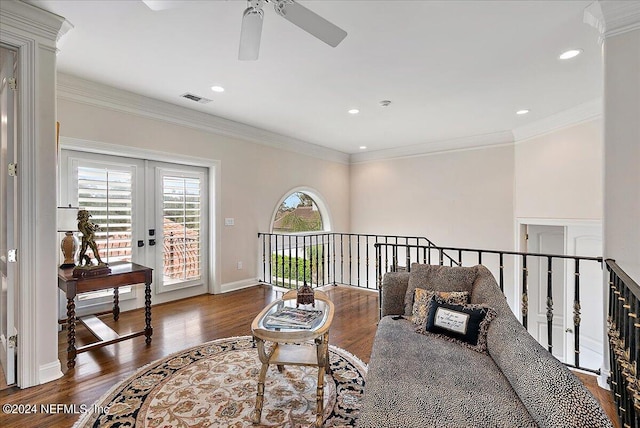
{"points": [[8, 216], [151, 213]]}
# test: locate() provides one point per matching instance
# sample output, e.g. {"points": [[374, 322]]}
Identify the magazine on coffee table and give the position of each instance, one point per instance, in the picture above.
{"points": [[292, 318]]}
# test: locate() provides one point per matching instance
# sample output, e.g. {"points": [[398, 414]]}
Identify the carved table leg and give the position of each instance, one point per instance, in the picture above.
{"points": [[148, 330], [71, 333], [116, 304], [320, 397], [322, 353], [264, 358]]}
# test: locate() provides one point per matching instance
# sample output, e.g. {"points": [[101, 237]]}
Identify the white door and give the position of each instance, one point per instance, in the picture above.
{"points": [[150, 213], [586, 241], [547, 240], [8, 194]]}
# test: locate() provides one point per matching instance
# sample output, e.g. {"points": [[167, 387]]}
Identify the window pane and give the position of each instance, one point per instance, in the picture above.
{"points": [[298, 213], [182, 223], [107, 194]]}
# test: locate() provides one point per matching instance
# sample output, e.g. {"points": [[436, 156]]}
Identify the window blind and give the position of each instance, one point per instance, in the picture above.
{"points": [[182, 223]]}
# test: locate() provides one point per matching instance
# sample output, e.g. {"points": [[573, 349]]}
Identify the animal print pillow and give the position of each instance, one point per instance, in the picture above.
{"points": [[422, 298]]}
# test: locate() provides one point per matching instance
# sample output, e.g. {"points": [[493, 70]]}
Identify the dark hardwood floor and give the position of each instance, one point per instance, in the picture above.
{"points": [[182, 324]]}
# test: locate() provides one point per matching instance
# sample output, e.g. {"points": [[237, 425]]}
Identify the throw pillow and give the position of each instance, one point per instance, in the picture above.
{"points": [[465, 324], [423, 297], [441, 278]]}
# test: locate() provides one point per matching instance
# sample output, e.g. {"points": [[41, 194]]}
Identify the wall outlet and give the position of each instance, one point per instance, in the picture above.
{"points": [[239, 265], [229, 221]]}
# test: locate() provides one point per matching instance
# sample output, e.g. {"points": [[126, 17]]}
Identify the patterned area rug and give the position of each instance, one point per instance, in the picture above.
{"points": [[215, 384]]}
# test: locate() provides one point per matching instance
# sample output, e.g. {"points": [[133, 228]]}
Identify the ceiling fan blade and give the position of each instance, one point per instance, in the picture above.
{"points": [[250, 34], [310, 22]]}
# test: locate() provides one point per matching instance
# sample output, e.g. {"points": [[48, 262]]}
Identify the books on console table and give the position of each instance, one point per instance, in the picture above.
{"points": [[292, 318]]}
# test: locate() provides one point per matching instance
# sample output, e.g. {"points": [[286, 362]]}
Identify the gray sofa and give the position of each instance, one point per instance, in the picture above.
{"points": [[422, 380]]}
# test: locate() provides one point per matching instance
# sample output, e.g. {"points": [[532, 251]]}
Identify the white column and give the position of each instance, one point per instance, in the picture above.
{"points": [[619, 25], [34, 32]]}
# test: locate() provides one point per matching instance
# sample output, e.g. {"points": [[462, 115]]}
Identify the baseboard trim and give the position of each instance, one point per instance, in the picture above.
{"points": [[50, 371], [238, 285]]}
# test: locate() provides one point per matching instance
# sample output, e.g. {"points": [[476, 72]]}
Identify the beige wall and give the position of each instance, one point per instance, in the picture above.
{"points": [[559, 175], [462, 198], [254, 177]]}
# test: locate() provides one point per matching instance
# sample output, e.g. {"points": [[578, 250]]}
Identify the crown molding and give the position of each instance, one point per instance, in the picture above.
{"points": [[30, 19], [611, 18], [76, 89], [465, 143], [584, 112]]}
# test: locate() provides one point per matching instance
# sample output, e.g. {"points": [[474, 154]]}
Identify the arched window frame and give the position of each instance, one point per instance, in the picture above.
{"points": [[320, 203]]}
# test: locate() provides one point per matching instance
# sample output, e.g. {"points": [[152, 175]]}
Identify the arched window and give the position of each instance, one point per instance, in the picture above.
{"points": [[300, 211]]}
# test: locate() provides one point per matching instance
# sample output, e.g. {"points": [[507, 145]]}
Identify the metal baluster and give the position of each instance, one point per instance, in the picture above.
{"points": [[270, 261], [576, 315], [367, 260], [502, 272], [341, 259], [358, 257], [350, 266], [525, 296], [549, 304]]}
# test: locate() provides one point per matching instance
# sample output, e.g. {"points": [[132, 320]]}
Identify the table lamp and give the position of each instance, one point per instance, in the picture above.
{"points": [[68, 223]]}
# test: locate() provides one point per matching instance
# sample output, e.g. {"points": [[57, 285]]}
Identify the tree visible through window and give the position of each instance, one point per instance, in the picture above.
{"points": [[297, 213]]}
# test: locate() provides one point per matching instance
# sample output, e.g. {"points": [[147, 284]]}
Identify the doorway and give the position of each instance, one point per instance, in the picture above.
{"points": [[573, 238], [546, 240], [8, 226]]}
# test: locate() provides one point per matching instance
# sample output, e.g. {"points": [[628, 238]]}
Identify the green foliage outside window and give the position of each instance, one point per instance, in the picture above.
{"points": [[289, 270]]}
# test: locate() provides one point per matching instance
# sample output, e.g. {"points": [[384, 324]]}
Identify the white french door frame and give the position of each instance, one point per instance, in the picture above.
{"points": [[155, 173], [69, 196], [568, 224], [213, 192]]}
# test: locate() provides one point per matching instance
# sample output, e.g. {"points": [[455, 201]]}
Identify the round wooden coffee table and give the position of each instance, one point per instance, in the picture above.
{"points": [[294, 346]]}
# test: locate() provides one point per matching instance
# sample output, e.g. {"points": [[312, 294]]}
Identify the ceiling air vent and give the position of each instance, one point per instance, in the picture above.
{"points": [[196, 98]]}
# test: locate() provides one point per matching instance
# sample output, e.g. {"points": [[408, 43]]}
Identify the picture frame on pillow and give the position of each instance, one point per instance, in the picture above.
{"points": [[466, 325]]}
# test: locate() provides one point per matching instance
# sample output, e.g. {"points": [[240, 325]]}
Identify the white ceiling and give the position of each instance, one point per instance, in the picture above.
{"points": [[452, 69]]}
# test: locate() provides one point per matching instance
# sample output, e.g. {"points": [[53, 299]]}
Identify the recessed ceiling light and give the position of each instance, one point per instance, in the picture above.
{"points": [[523, 111], [354, 111], [570, 54], [217, 89], [363, 147]]}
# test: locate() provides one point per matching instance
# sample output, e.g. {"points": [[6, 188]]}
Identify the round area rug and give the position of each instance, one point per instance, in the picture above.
{"points": [[215, 385]]}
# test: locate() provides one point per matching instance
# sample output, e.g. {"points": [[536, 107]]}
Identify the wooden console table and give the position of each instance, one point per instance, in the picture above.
{"points": [[122, 273]]}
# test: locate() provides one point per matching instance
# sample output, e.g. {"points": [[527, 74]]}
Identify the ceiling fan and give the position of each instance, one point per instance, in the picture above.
{"points": [[293, 12]]}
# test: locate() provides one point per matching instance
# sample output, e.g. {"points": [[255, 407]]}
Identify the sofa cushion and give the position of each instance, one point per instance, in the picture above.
{"points": [[463, 324], [421, 302], [415, 380], [437, 278]]}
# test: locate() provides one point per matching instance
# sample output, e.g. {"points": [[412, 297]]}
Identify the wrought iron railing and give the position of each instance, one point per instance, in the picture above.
{"points": [[328, 258], [361, 260], [624, 343]]}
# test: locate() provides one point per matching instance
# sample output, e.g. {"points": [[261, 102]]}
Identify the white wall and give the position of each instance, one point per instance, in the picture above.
{"points": [[462, 198], [622, 151], [33, 33], [254, 177], [559, 175]]}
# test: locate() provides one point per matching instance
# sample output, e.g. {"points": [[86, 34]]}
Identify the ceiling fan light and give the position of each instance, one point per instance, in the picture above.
{"points": [[250, 34]]}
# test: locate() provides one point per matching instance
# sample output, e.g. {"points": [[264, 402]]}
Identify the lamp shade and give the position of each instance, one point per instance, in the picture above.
{"points": [[67, 219]]}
